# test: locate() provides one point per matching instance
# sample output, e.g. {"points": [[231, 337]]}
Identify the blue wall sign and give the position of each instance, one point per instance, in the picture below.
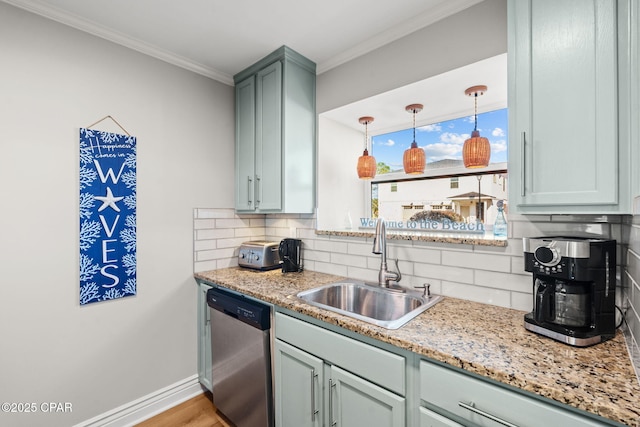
{"points": [[107, 216]]}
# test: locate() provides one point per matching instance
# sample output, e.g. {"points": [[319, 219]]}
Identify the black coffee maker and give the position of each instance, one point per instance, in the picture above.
{"points": [[291, 255], [574, 284]]}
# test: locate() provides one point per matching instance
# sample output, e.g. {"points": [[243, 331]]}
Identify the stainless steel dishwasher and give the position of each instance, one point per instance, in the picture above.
{"points": [[241, 358]]}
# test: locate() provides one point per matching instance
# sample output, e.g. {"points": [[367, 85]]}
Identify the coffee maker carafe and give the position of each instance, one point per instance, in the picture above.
{"points": [[573, 288]]}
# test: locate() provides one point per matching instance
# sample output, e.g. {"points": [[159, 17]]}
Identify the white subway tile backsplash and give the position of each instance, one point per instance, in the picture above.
{"points": [[203, 245], [233, 223], [634, 238], [364, 274], [477, 261], [249, 233], [413, 254], [332, 246], [442, 272], [214, 213], [633, 265], [215, 254], [230, 243], [277, 222], [476, 293], [350, 260], [508, 282], [227, 262], [307, 234], [199, 266], [517, 266], [212, 234], [339, 270], [316, 255], [199, 224], [364, 249], [257, 223], [406, 267], [634, 297]]}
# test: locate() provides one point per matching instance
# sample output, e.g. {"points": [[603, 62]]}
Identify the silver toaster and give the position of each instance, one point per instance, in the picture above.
{"points": [[259, 254]]}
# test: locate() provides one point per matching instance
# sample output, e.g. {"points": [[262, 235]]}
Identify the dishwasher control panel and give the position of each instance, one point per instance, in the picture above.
{"points": [[240, 307]]}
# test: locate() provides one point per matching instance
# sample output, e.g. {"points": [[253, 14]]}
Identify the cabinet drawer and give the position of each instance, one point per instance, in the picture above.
{"points": [[378, 366], [448, 389]]}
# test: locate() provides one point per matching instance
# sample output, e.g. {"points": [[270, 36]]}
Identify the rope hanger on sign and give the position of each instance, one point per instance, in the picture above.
{"points": [[114, 120]]}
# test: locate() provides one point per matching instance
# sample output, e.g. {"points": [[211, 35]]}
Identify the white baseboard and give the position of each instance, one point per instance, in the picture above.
{"points": [[147, 406]]}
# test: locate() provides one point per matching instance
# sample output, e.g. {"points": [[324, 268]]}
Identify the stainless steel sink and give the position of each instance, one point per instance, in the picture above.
{"points": [[384, 307]]}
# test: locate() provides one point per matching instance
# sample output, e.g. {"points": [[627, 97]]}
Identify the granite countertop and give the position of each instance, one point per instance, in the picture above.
{"points": [[483, 339]]}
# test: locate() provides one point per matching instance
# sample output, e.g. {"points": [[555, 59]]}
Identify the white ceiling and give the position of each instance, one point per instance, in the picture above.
{"points": [[218, 38], [442, 96]]}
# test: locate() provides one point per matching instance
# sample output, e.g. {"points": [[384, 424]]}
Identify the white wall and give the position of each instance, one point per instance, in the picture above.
{"points": [[471, 35], [53, 80], [340, 197]]}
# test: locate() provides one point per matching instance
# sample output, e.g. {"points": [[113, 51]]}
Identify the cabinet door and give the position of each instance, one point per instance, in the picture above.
{"points": [[269, 138], [563, 104], [245, 144], [298, 387], [354, 402], [204, 337]]}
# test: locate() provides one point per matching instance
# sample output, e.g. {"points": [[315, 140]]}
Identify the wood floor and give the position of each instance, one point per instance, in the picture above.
{"points": [[196, 412]]}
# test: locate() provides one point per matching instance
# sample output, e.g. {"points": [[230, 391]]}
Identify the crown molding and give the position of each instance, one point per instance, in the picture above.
{"points": [[119, 38], [428, 17]]}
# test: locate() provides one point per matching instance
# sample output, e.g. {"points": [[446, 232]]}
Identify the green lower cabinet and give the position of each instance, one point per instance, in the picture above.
{"points": [[323, 378], [204, 337], [461, 399], [311, 393], [354, 402], [298, 387]]}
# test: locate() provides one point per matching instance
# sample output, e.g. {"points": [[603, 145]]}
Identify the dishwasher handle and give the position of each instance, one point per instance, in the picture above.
{"points": [[251, 312]]}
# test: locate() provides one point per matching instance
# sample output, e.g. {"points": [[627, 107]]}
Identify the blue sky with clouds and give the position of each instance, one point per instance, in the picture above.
{"points": [[443, 140]]}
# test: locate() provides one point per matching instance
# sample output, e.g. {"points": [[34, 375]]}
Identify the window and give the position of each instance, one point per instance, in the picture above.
{"points": [[446, 188]]}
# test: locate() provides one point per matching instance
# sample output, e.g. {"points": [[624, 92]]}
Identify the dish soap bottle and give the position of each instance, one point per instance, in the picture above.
{"points": [[500, 226]]}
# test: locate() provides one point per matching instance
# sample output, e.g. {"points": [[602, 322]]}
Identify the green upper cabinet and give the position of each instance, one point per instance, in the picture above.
{"points": [[276, 134], [569, 66]]}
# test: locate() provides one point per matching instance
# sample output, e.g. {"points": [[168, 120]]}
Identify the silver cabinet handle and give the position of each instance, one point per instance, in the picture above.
{"points": [[259, 190], [332, 386], [249, 190], [314, 411], [523, 165], [472, 407]]}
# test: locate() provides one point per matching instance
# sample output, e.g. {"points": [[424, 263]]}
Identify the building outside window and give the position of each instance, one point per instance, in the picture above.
{"points": [[447, 187]]}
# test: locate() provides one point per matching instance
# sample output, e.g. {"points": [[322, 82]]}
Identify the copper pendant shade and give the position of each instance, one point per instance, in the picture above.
{"points": [[366, 164], [414, 158], [476, 151]]}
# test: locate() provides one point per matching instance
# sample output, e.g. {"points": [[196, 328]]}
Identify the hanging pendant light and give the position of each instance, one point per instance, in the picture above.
{"points": [[414, 158], [366, 163], [476, 151]]}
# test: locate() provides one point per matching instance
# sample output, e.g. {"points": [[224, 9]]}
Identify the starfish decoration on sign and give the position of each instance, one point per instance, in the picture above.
{"points": [[108, 201]]}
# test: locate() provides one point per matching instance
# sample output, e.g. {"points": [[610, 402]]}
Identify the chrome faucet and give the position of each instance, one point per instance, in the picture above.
{"points": [[380, 248]]}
